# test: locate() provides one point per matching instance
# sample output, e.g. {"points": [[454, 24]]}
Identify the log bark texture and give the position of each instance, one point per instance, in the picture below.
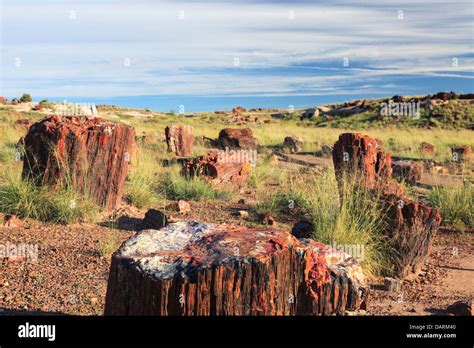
{"points": [[219, 168], [237, 138], [192, 268], [90, 154], [180, 140], [411, 225]]}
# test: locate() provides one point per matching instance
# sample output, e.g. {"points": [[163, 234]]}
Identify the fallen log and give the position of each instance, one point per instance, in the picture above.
{"points": [[192, 268]]}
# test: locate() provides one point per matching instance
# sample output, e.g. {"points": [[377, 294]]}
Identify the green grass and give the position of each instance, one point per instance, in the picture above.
{"points": [[174, 186], [26, 200], [455, 202], [357, 222]]}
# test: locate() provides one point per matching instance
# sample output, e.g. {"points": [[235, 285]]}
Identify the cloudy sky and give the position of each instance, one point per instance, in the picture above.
{"points": [[108, 48]]}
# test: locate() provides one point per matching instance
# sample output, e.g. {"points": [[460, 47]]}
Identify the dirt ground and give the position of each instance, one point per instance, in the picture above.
{"points": [[71, 271]]}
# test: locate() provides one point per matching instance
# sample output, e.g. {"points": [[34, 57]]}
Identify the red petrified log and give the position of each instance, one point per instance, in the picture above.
{"points": [[180, 140], [407, 170], [219, 168], [90, 154], [410, 225], [355, 153], [237, 138], [192, 268]]}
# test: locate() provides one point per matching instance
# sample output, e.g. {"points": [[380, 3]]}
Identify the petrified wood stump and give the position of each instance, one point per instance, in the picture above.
{"points": [[355, 154], [90, 154], [180, 140], [411, 225], [219, 168], [192, 268], [236, 139]]}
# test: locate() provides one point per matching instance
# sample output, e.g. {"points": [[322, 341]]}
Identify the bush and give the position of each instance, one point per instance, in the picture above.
{"points": [[25, 98], [456, 203]]}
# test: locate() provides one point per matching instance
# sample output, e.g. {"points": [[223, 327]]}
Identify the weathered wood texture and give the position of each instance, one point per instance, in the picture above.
{"points": [[411, 225], [90, 154], [219, 168], [180, 140], [191, 268], [237, 138]]}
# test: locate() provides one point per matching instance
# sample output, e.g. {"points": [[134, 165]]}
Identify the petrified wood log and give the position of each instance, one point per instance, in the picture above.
{"points": [[357, 154], [90, 154], [180, 140], [219, 168], [192, 268], [237, 138], [411, 225]]}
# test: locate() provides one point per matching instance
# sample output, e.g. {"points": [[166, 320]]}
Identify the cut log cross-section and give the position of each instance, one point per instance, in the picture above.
{"points": [[192, 268], [90, 154]]}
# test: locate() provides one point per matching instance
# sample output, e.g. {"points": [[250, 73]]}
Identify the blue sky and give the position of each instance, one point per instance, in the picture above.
{"points": [[105, 48]]}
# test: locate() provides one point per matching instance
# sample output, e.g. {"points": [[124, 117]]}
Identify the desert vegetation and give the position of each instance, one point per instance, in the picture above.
{"points": [[284, 186]]}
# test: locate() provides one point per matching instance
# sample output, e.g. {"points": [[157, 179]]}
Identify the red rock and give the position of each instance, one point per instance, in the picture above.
{"points": [[293, 143], [3, 100], [427, 148], [90, 154], [238, 110], [355, 154], [11, 220], [411, 225], [183, 206], [192, 268], [180, 140], [218, 168], [23, 122], [237, 138]]}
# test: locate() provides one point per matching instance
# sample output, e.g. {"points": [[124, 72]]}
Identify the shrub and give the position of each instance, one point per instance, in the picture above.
{"points": [[25, 98]]}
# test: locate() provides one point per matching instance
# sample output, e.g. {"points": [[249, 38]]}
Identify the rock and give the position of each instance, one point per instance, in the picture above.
{"points": [[303, 229], [238, 110], [3, 100], [392, 284], [355, 154], [310, 113], [427, 148], [241, 213], [266, 219], [183, 207], [15, 101], [180, 140], [154, 219], [467, 96], [461, 153], [219, 168], [411, 225], [445, 96], [461, 308], [242, 201], [236, 139], [293, 143], [398, 99], [326, 151], [193, 268], [10, 220], [90, 154], [23, 122], [278, 116], [407, 170]]}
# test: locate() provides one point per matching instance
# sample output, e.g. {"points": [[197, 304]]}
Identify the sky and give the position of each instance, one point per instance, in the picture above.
{"points": [[223, 49]]}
